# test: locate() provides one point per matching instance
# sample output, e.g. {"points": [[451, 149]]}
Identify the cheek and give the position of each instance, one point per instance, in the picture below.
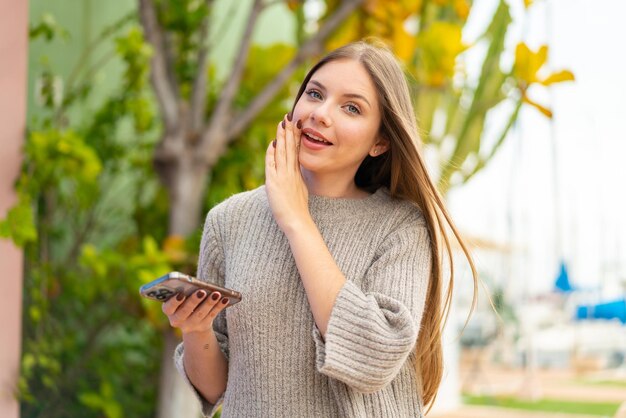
{"points": [[357, 134], [300, 111]]}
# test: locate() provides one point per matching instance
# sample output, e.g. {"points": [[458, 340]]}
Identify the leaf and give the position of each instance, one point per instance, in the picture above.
{"points": [[558, 77], [293, 4], [91, 399], [174, 248], [462, 9], [19, 224], [439, 45], [348, 31], [47, 28], [547, 112], [528, 62]]}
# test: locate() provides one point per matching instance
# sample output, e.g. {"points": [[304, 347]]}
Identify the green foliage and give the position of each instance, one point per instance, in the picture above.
{"points": [[47, 28], [603, 409], [90, 218], [19, 223]]}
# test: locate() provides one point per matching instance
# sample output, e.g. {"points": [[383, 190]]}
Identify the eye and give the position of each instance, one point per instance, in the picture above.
{"points": [[353, 109], [314, 94]]}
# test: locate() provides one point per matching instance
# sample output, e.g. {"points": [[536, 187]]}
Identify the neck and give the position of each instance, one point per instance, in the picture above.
{"points": [[330, 185]]}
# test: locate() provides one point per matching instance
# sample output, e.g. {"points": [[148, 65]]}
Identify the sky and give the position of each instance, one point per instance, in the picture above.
{"points": [[556, 190]]}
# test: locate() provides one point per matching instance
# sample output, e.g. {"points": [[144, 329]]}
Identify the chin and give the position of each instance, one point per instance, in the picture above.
{"points": [[307, 164]]}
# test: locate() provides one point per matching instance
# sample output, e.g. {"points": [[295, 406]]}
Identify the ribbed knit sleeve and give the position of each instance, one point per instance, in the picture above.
{"points": [[211, 269], [374, 327]]}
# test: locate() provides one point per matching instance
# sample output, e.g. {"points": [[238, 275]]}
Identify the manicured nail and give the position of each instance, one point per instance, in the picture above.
{"points": [[225, 301], [289, 116], [215, 296], [201, 294], [180, 297], [299, 124], [283, 123], [274, 143]]}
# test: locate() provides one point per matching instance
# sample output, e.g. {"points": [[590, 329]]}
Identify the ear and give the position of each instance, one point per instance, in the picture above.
{"points": [[380, 147]]}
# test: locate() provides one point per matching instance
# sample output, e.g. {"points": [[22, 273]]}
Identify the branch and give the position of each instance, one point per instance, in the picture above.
{"points": [[310, 47], [231, 86], [220, 116], [198, 95], [164, 88]]}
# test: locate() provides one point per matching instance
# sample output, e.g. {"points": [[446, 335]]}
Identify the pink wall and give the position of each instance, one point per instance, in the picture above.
{"points": [[13, 90]]}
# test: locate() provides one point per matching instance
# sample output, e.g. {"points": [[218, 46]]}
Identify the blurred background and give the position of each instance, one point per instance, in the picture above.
{"points": [[125, 121]]}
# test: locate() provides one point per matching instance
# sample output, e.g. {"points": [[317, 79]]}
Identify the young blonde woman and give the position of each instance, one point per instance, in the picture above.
{"points": [[338, 256]]}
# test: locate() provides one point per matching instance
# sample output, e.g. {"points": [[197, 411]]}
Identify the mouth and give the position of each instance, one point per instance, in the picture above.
{"points": [[314, 137]]}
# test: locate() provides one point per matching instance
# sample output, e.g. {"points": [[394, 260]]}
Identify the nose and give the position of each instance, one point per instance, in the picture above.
{"points": [[321, 114]]}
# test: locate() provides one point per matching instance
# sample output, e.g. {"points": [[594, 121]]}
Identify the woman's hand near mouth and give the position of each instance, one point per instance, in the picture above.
{"points": [[286, 191]]}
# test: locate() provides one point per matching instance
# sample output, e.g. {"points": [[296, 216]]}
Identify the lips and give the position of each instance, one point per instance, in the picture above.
{"points": [[315, 137]]}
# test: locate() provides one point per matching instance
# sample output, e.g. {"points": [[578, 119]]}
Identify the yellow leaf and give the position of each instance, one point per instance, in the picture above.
{"points": [[348, 31], [528, 63], [174, 248], [403, 44], [461, 8], [372, 7], [439, 45], [558, 77], [547, 112], [540, 57], [412, 5], [436, 79], [293, 4]]}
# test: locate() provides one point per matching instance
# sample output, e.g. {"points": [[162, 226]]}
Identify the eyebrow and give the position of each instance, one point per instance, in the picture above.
{"points": [[351, 95]]}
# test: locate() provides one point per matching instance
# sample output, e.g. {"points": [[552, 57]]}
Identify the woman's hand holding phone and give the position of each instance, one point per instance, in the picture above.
{"points": [[194, 313]]}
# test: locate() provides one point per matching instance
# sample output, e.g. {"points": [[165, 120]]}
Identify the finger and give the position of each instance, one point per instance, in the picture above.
{"points": [[281, 151], [290, 143], [297, 133], [270, 160], [206, 306], [172, 304], [218, 307], [187, 308]]}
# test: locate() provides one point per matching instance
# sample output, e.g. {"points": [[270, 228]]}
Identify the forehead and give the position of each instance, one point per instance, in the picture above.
{"points": [[346, 76]]}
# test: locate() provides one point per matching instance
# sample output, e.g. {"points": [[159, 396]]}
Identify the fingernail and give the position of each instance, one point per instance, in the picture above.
{"points": [[299, 124], [274, 143], [289, 116], [215, 296], [201, 294], [283, 124], [180, 297], [225, 301]]}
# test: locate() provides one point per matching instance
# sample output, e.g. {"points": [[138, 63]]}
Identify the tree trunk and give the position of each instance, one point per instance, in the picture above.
{"points": [[176, 399], [185, 178], [186, 192]]}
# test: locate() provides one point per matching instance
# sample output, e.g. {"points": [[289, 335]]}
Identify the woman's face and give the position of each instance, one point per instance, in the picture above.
{"points": [[340, 117]]}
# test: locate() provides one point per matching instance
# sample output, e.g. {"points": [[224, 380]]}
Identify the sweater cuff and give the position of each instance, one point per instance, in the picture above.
{"points": [[368, 339], [208, 409]]}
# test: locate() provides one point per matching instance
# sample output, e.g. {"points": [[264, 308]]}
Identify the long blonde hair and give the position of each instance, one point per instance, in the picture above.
{"points": [[402, 170]]}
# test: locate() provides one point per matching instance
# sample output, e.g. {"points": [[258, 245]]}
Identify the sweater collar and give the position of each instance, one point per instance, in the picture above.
{"points": [[343, 206]]}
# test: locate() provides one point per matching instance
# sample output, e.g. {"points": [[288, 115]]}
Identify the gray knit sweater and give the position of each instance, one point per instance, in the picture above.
{"points": [[278, 363]]}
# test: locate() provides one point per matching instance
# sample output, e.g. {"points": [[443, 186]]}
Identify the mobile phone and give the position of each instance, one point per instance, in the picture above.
{"points": [[175, 282]]}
